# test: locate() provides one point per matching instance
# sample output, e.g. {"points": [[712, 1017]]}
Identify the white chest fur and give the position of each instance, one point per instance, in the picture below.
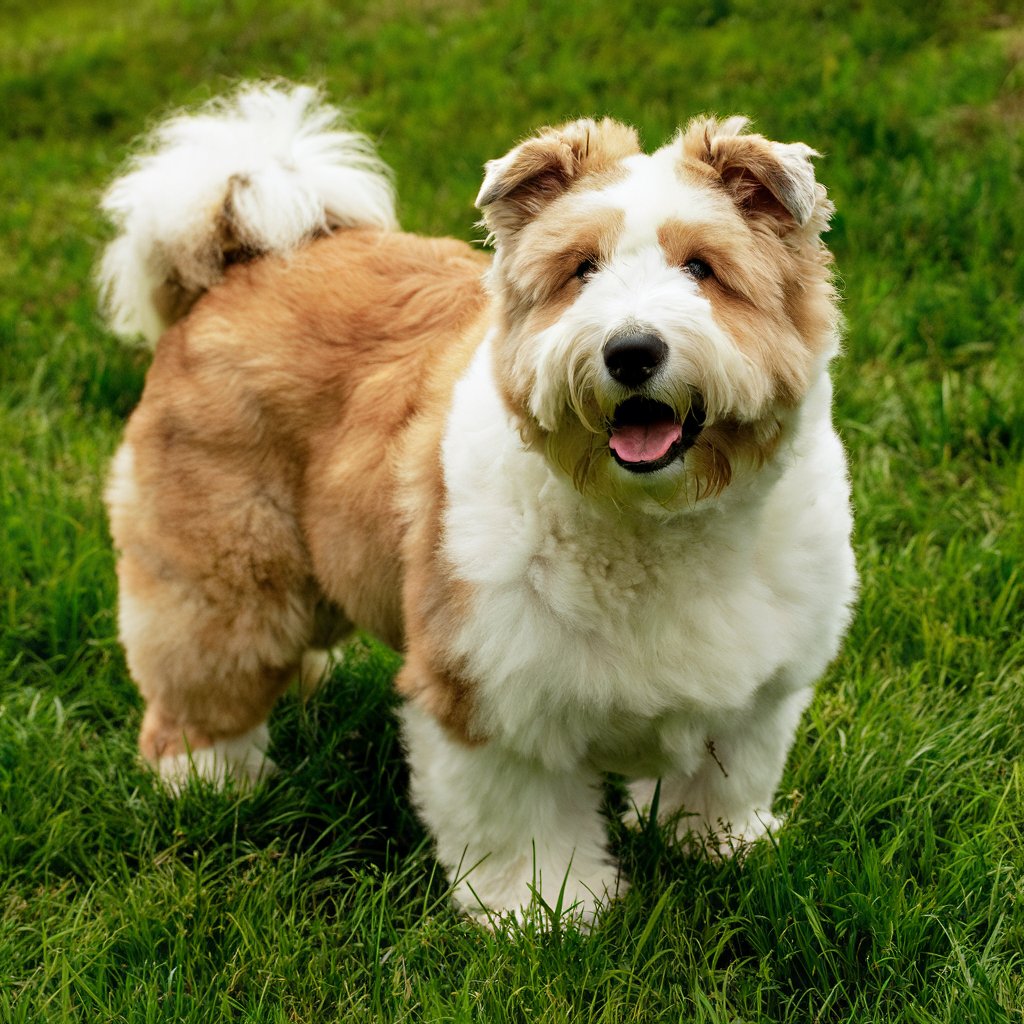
{"points": [[617, 638]]}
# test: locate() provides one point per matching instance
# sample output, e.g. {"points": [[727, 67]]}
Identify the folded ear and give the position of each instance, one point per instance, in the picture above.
{"points": [[767, 178], [519, 185]]}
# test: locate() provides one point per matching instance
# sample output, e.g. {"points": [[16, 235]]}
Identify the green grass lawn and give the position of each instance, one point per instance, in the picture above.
{"points": [[896, 893]]}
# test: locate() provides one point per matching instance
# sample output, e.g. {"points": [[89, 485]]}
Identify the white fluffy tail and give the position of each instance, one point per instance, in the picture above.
{"points": [[260, 171]]}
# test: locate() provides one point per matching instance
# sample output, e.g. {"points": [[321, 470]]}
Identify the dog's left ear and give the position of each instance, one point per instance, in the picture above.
{"points": [[765, 178], [519, 185]]}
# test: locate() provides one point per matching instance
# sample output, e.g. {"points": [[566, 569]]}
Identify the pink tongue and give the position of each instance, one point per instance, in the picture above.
{"points": [[644, 442]]}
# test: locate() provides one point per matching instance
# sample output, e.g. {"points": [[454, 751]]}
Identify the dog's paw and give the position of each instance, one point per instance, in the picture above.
{"points": [[516, 897], [315, 669], [722, 840], [697, 835], [241, 761]]}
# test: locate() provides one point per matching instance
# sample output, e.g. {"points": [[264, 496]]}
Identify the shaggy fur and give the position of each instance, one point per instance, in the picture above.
{"points": [[590, 566]]}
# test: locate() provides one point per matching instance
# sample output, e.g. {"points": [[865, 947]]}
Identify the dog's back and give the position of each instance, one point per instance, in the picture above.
{"points": [[296, 317]]}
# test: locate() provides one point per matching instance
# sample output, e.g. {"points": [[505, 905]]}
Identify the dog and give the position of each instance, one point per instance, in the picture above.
{"points": [[589, 487]]}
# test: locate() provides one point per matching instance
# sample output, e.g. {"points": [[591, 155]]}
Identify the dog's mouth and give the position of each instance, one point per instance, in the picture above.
{"points": [[647, 435]]}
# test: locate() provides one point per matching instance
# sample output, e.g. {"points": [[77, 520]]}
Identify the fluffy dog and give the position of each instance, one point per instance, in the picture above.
{"points": [[590, 488]]}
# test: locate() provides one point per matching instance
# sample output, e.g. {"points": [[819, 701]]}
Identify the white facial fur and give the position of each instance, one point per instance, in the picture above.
{"points": [[636, 288]]}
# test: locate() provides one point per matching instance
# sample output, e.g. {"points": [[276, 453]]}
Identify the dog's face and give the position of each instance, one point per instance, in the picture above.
{"points": [[663, 315]]}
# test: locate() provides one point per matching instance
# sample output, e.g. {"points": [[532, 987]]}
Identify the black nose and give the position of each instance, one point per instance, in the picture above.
{"points": [[632, 358]]}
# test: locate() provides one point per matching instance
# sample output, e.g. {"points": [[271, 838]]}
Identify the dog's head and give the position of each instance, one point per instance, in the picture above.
{"points": [[665, 314]]}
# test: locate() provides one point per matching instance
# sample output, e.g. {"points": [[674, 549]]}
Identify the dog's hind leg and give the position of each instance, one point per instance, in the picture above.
{"points": [[331, 631], [216, 611]]}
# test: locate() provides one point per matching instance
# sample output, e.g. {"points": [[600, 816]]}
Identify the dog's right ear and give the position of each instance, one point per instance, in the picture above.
{"points": [[765, 179], [519, 185]]}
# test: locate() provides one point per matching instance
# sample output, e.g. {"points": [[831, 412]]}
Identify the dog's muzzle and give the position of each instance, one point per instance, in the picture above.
{"points": [[646, 435], [632, 358]]}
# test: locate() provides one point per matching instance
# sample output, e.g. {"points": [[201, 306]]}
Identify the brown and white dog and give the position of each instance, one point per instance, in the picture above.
{"points": [[590, 488]]}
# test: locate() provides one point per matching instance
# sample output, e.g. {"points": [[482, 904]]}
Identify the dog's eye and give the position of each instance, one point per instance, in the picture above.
{"points": [[698, 270], [585, 269]]}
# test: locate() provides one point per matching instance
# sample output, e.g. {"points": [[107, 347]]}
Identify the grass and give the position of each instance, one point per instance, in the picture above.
{"points": [[897, 891]]}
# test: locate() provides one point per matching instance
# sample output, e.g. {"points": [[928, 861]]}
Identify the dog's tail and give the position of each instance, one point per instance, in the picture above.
{"points": [[257, 172]]}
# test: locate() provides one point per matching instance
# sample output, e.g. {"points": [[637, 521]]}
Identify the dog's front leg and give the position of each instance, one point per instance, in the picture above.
{"points": [[724, 803], [508, 829]]}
